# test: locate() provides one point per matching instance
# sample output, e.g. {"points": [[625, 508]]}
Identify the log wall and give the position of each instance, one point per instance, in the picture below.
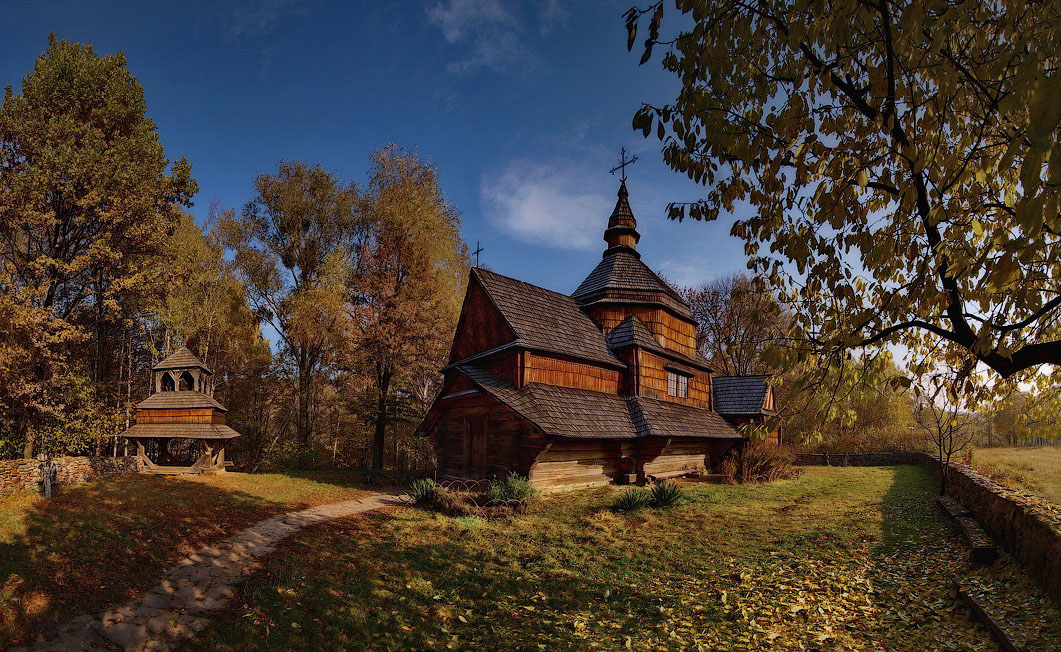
{"points": [[510, 443], [572, 463]]}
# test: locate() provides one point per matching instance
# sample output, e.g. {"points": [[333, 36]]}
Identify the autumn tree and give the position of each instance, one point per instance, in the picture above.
{"points": [[405, 289], [897, 162], [87, 198], [292, 246], [940, 415], [737, 320]]}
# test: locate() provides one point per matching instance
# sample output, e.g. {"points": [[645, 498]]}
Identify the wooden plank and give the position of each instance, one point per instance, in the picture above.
{"points": [[983, 550], [952, 506], [978, 608]]}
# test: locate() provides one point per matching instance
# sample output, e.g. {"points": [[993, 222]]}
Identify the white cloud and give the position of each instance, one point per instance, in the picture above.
{"points": [[491, 32], [258, 18], [560, 204]]}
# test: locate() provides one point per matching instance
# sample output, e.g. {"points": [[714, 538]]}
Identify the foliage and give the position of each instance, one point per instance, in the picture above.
{"points": [[421, 490], [453, 503], [899, 163], [513, 489], [842, 558], [632, 499], [404, 292], [292, 246], [665, 494], [850, 406], [737, 319], [88, 198], [759, 461]]}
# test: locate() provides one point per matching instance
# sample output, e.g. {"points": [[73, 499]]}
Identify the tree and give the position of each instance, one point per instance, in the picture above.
{"points": [[406, 288], [737, 320], [900, 160], [292, 246], [87, 198], [939, 414]]}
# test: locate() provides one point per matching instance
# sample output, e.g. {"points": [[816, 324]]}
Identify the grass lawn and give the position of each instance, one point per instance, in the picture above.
{"points": [[1036, 470], [104, 542], [841, 558]]}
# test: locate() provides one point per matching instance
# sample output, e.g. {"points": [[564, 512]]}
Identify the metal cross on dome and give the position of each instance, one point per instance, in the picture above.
{"points": [[624, 160]]}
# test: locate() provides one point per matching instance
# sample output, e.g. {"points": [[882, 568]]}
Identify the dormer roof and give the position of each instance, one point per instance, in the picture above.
{"points": [[182, 358]]}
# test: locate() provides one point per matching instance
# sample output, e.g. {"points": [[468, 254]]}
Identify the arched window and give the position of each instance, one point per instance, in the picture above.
{"points": [[187, 382], [167, 382]]}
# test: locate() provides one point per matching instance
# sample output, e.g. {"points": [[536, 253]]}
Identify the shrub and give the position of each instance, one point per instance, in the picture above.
{"points": [[632, 498], [665, 494], [759, 462], [421, 490], [452, 503], [514, 489], [374, 478]]}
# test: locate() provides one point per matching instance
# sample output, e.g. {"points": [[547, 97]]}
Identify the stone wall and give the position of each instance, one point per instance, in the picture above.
{"points": [[25, 475], [1029, 528]]}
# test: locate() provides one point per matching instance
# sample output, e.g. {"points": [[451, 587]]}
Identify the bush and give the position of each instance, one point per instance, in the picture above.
{"points": [[665, 494], [512, 490], [759, 462], [632, 498], [421, 490], [452, 503]]}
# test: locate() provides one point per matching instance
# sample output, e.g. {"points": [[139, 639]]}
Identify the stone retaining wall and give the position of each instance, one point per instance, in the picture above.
{"points": [[25, 475], [1028, 527]]}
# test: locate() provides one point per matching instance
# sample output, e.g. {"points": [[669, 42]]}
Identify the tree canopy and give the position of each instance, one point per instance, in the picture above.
{"points": [[893, 166]]}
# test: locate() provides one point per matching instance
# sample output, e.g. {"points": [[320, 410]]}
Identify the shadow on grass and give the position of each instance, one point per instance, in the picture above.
{"points": [[105, 542], [359, 584]]}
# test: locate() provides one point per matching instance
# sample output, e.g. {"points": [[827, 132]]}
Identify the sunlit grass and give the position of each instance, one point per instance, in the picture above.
{"points": [[841, 558], [1036, 470], [105, 542]]}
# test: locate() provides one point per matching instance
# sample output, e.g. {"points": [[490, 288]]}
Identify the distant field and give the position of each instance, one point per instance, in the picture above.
{"points": [[1036, 470]]}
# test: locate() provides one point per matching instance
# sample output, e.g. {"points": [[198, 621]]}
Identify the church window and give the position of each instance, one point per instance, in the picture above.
{"points": [[677, 385]]}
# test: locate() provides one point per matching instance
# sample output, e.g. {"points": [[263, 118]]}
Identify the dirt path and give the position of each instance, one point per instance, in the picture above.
{"points": [[199, 585]]}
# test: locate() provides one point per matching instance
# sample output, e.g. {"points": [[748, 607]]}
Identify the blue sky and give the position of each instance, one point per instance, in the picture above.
{"points": [[522, 106]]}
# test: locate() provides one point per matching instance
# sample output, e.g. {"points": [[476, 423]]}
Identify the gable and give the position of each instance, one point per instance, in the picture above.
{"points": [[481, 326]]}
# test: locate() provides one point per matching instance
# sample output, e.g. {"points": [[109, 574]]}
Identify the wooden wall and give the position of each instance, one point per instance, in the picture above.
{"points": [[480, 327], [652, 379], [568, 463], [773, 437], [559, 371], [509, 443], [180, 415], [669, 330]]}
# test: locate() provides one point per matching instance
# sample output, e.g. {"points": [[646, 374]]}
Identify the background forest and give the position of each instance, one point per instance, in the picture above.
{"points": [[324, 306]]}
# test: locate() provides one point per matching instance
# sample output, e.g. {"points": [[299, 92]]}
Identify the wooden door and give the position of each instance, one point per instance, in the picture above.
{"points": [[475, 448]]}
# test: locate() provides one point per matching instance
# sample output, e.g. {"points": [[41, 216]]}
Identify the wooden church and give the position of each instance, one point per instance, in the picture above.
{"points": [[180, 424], [605, 385]]}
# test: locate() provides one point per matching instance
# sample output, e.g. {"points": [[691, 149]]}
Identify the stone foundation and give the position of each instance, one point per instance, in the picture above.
{"points": [[1029, 528], [25, 475]]}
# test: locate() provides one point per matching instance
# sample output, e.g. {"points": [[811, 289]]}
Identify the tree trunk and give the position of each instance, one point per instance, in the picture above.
{"points": [[383, 389]]}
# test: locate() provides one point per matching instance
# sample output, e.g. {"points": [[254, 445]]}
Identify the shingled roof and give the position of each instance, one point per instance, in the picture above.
{"points": [[587, 414], [621, 277], [544, 320], [179, 400], [633, 332], [182, 358], [666, 419], [740, 395], [181, 431]]}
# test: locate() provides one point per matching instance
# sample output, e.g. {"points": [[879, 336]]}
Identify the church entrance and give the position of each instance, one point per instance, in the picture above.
{"points": [[475, 448]]}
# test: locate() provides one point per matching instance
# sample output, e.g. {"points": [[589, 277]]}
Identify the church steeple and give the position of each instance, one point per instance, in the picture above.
{"points": [[621, 234]]}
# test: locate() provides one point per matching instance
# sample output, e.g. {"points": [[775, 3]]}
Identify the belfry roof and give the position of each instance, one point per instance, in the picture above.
{"points": [[182, 358]]}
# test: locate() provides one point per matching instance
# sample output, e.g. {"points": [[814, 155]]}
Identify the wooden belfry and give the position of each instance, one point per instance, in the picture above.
{"points": [[181, 412]]}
